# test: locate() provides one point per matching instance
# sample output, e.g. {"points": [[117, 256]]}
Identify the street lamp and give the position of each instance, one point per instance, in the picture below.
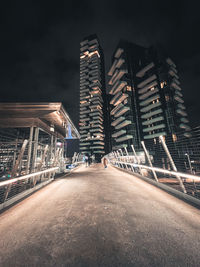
{"points": [[189, 161]]}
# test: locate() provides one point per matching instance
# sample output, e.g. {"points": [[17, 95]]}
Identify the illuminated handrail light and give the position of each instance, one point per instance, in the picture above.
{"points": [[181, 174], [27, 176]]}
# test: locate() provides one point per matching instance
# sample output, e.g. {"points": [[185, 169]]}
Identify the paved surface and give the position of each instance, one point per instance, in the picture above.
{"points": [[98, 217]]}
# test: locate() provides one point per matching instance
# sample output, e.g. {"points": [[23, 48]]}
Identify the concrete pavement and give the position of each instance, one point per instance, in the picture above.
{"points": [[100, 217]]}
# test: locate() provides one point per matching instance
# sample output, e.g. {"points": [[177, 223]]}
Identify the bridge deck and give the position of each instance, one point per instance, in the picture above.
{"points": [[97, 217]]}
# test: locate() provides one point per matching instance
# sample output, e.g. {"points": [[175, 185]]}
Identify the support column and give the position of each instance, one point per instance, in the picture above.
{"points": [[29, 150], [35, 149], [137, 158], [51, 151], [149, 160], [172, 163]]}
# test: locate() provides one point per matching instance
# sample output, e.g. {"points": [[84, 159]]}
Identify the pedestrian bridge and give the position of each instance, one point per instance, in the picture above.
{"points": [[100, 217]]}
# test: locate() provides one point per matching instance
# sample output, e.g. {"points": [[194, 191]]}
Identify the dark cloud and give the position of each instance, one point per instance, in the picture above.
{"points": [[39, 51]]}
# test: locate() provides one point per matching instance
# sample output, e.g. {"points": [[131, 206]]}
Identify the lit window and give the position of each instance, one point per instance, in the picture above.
{"points": [[174, 137], [167, 98], [162, 84]]}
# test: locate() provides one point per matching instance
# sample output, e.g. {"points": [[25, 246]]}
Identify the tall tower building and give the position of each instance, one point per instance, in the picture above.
{"points": [[124, 104], [146, 97], [92, 98], [161, 105]]}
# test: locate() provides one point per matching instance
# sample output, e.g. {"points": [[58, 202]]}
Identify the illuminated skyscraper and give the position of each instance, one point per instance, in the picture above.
{"points": [[146, 97], [92, 98]]}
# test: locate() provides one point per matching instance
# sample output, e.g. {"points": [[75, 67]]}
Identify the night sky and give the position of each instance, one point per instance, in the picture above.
{"points": [[39, 47]]}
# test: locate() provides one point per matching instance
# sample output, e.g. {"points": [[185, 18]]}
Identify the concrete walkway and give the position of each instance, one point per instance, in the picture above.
{"points": [[97, 217]]}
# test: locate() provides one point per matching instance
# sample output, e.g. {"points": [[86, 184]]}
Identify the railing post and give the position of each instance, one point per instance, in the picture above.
{"points": [[29, 150], [137, 158], [149, 160], [116, 157], [120, 164], [35, 149], [126, 158], [172, 163], [14, 170]]}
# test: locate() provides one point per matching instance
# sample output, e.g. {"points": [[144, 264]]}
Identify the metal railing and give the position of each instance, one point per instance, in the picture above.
{"points": [[10, 188], [144, 165]]}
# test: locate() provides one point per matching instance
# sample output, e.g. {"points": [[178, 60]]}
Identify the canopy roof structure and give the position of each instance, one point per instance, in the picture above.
{"points": [[50, 117]]}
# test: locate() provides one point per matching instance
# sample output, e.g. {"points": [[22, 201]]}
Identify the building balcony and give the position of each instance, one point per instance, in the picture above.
{"points": [[118, 98], [121, 111], [148, 80], [96, 113], [99, 152], [84, 127], [148, 122], [84, 83], [178, 99], [170, 62], [85, 104], [118, 86], [141, 73], [187, 134], [83, 116], [113, 67], [84, 97], [84, 48], [97, 147], [98, 129], [123, 124], [85, 144], [151, 136], [175, 80], [98, 118], [117, 121], [116, 134], [118, 74], [84, 90], [153, 128], [116, 147], [176, 86], [115, 109], [97, 126], [149, 100], [178, 93], [149, 93], [185, 127], [151, 114], [93, 41], [124, 138], [147, 87], [119, 52], [173, 74], [83, 132], [114, 98], [84, 135], [85, 112], [116, 64], [97, 98], [148, 108], [96, 121], [85, 119], [84, 147], [181, 112], [184, 120], [83, 42], [98, 143]]}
